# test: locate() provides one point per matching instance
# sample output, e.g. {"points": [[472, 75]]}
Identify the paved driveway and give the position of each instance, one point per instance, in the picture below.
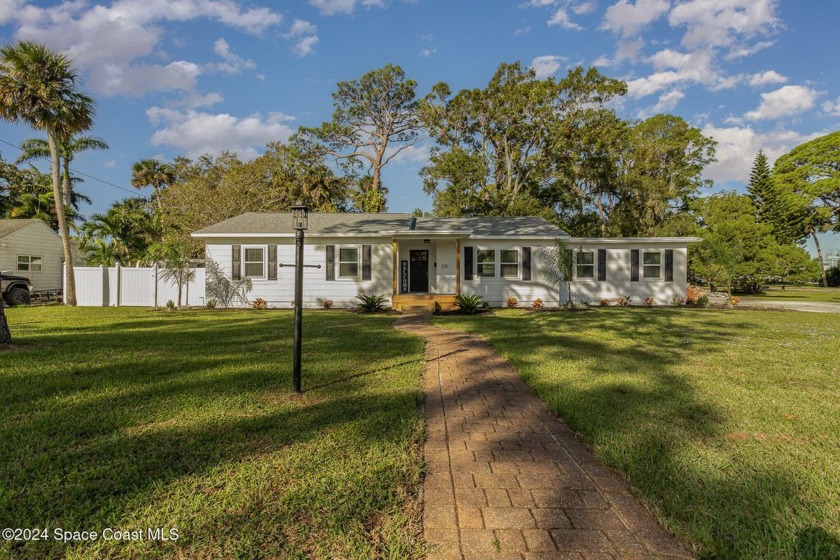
{"points": [[792, 305]]}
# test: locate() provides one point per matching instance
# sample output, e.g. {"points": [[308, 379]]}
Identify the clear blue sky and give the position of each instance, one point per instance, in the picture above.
{"points": [[182, 77]]}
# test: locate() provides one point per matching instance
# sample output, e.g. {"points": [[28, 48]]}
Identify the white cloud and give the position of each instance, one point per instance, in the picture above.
{"points": [[674, 67], [521, 31], [737, 147], [668, 101], [332, 7], [426, 53], [585, 8], [629, 19], [107, 41], [233, 64], [783, 102], [547, 65], [302, 27], [832, 108], [561, 18], [306, 45], [766, 78], [724, 23], [110, 164], [196, 132]]}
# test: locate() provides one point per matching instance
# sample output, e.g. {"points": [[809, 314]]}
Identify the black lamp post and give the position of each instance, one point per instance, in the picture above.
{"points": [[300, 221]]}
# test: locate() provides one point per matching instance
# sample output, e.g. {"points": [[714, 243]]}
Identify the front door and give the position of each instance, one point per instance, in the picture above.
{"points": [[418, 270]]}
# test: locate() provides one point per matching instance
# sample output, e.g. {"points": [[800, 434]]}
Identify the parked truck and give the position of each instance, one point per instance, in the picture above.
{"points": [[17, 290]]}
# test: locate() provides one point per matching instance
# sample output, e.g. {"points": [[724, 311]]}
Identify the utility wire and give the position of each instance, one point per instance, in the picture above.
{"points": [[76, 171]]}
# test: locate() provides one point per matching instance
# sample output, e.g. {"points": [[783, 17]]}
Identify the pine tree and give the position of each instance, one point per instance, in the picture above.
{"points": [[759, 188]]}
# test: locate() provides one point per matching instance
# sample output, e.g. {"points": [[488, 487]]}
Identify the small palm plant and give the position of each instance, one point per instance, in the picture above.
{"points": [[371, 303], [470, 303]]}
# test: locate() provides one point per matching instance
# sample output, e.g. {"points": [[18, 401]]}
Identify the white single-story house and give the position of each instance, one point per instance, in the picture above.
{"points": [[428, 261], [31, 248]]}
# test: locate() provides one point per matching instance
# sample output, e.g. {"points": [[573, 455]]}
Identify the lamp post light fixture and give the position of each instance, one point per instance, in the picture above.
{"points": [[300, 221]]}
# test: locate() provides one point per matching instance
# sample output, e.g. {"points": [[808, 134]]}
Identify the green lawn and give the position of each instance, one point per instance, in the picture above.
{"points": [[135, 419], [727, 423], [798, 293]]}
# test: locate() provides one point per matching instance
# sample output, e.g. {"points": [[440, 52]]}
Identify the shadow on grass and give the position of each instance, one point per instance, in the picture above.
{"points": [[644, 418], [97, 425]]}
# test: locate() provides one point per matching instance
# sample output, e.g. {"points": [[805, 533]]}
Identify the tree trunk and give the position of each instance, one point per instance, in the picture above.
{"points": [[70, 292], [66, 183], [819, 258], [377, 180], [5, 333]]}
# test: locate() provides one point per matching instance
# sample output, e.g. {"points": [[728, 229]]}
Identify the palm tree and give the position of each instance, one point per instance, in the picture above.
{"points": [[35, 148], [38, 87], [151, 172], [34, 199]]}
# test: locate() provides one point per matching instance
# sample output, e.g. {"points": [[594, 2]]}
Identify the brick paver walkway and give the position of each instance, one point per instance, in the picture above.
{"points": [[507, 479]]}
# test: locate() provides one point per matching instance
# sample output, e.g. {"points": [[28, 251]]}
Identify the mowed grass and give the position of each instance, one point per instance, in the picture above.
{"points": [[726, 423], [798, 293], [135, 419]]}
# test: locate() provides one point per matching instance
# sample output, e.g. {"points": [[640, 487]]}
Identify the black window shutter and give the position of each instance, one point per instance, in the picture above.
{"points": [[634, 265], [365, 262], [330, 262], [602, 265], [526, 263], [669, 265], [236, 262], [272, 262], [468, 263]]}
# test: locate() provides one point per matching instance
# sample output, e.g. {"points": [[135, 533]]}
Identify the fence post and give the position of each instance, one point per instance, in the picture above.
{"points": [[156, 285], [119, 284]]}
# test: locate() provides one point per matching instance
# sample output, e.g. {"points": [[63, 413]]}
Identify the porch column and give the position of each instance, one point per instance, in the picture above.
{"points": [[394, 251], [457, 267]]}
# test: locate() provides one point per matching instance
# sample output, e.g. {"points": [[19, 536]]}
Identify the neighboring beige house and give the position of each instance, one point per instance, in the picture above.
{"points": [[30, 248]]}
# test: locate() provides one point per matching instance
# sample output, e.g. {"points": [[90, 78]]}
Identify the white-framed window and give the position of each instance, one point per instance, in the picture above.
{"points": [[254, 262], [585, 266], [28, 263], [348, 262], [486, 263], [652, 265], [509, 263]]}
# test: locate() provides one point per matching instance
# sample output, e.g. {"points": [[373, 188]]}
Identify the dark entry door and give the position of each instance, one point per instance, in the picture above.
{"points": [[418, 268]]}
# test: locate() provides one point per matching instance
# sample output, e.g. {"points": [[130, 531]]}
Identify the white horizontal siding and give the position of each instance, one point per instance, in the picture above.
{"points": [[316, 288]]}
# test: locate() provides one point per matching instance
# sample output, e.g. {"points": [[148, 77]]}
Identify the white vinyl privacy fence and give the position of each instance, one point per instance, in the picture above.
{"points": [[129, 286]]}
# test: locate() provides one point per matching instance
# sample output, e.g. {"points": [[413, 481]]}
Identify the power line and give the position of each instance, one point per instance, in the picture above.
{"points": [[76, 171]]}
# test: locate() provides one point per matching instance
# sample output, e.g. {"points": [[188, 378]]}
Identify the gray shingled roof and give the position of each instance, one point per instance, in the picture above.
{"points": [[257, 223], [11, 226]]}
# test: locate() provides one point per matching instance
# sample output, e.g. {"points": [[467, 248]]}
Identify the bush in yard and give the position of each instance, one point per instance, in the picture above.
{"points": [[327, 304], [649, 301], [211, 304], [512, 302], [703, 301], [537, 304], [623, 301], [677, 301], [224, 290], [470, 303], [259, 303], [170, 305], [605, 302], [371, 303], [733, 301]]}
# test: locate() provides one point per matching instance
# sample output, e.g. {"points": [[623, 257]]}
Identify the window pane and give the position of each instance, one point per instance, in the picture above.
{"points": [[486, 256], [510, 270], [585, 271], [653, 258], [253, 255], [348, 255], [487, 270], [23, 266], [253, 269], [586, 257], [509, 256], [651, 271], [35, 264], [348, 270], [23, 259]]}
